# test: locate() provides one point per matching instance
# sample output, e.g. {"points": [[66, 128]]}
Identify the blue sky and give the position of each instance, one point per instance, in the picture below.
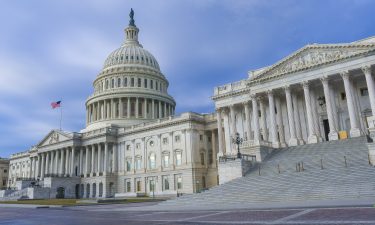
{"points": [[52, 50]]}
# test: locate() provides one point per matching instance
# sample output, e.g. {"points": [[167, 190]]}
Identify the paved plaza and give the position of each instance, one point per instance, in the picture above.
{"points": [[119, 214]]}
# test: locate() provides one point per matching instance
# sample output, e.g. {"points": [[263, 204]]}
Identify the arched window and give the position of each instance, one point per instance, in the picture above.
{"points": [[106, 84], [113, 83], [125, 81], [118, 82], [152, 161], [145, 83]]}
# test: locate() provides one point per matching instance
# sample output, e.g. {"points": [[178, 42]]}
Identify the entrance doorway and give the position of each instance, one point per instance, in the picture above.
{"points": [[60, 192], [326, 128], [77, 191]]}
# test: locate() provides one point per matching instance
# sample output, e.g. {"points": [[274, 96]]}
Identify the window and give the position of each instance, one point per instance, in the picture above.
{"points": [[179, 182], [5, 171], [165, 141], [152, 185], [177, 138], [165, 183], [106, 84], [127, 147], [128, 186], [178, 158], [128, 165], [138, 163], [160, 87], [201, 137], [125, 82], [139, 82], [202, 158], [364, 92], [343, 96], [138, 186], [118, 82], [145, 83], [152, 160], [113, 83], [156, 85], [165, 160], [152, 143], [137, 145], [132, 82], [209, 139], [210, 157]]}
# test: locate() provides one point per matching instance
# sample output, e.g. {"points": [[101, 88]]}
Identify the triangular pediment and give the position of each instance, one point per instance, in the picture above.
{"points": [[54, 137], [314, 55]]}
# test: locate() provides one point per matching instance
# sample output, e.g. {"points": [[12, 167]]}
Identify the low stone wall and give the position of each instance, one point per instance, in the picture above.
{"points": [[232, 169], [39, 193], [4, 193]]}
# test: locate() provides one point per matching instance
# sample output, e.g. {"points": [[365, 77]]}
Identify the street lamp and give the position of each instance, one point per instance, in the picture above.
{"points": [[237, 140]]}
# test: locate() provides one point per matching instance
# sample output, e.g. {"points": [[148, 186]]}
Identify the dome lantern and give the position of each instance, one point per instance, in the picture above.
{"points": [[131, 32]]}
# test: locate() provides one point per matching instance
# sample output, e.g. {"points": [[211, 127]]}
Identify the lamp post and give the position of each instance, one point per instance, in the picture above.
{"points": [[237, 140]]}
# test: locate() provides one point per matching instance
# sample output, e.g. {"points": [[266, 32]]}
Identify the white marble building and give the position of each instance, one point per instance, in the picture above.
{"points": [[312, 95], [132, 144], [4, 171]]}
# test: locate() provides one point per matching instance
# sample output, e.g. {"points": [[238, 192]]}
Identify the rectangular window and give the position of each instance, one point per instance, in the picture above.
{"points": [[138, 186], [152, 84], [177, 138], [202, 158], [145, 83], [128, 147], [138, 146], [138, 163], [343, 96], [125, 82], [165, 183], [165, 160], [128, 186], [152, 185], [165, 141], [128, 165], [132, 82], [139, 82], [156, 85], [364, 92], [179, 183], [209, 139], [201, 137], [178, 158]]}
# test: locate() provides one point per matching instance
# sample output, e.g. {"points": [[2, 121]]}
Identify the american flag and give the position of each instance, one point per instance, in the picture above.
{"points": [[55, 104]]}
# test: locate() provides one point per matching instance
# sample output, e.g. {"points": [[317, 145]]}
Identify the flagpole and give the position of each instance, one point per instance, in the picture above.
{"points": [[60, 114]]}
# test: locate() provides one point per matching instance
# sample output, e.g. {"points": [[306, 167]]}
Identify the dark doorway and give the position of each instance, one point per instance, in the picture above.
{"points": [[77, 191], [60, 192], [76, 170], [326, 129]]}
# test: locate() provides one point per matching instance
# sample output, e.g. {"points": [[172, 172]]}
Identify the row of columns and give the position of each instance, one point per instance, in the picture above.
{"points": [[87, 160], [128, 108], [276, 130]]}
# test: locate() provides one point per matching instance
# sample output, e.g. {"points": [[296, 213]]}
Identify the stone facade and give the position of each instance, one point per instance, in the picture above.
{"points": [[4, 171]]}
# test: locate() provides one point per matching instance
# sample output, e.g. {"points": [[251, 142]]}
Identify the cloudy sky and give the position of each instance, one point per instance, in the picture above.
{"points": [[52, 50]]}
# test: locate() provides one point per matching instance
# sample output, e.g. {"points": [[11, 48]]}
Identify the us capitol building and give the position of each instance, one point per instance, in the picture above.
{"points": [[134, 145]]}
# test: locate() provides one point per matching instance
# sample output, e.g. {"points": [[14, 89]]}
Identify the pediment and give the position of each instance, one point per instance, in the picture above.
{"points": [[54, 137], [314, 55]]}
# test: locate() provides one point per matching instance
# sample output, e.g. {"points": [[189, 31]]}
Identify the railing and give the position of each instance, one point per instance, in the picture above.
{"points": [[246, 157], [252, 143]]}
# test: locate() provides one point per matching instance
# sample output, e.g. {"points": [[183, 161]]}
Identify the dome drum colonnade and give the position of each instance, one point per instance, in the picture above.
{"points": [[256, 131], [130, 88]]}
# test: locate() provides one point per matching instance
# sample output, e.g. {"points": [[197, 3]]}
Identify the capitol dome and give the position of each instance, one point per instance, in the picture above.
{"points": [[130, 89]]}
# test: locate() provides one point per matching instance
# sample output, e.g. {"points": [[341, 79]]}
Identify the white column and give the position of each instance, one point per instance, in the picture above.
{"points": [[128, 107], [114, 157], [370, 86], [316, 119], [31, 167], [165, 109], [92, 164], [153, 109], [297, 120], [86, 160], [233, 129], [263, 123], [57, 162], [39, 165], [47, 163], [160, 110], [247, 119], [72, 162], [105, 158], [121, 108], [354, 130], [42, 171], [136, 107], [100, 158], [333, 135], [213, 146], [145, 108], [220, 132], [312, 138], [81, 161], [273, 131], [66, 162], [255, 119], [62, 161], [292, 131], [279, 121]]}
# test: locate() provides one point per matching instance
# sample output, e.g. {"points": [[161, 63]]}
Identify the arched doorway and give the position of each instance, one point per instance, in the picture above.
{"points": [[60, 192], [101, 190], [88, 191], [77, 191]]}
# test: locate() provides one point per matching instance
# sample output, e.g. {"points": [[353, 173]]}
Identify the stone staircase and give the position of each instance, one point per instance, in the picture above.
{"points": [[338, 180], [16, 195]]}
